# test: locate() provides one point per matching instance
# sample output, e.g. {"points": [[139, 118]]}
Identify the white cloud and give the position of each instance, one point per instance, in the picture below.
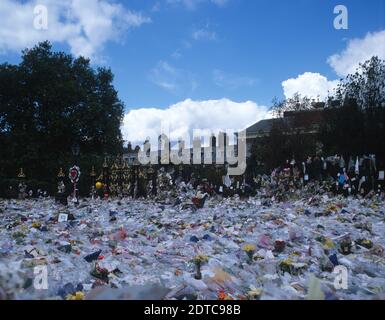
{"points": [[182, 118], [156, 7], [231, 81], [204, 34], [192, 4], [312, 85], [346, 62], [172, 79], [358, 51], [220, 3], [85, 25], [176, 54]]}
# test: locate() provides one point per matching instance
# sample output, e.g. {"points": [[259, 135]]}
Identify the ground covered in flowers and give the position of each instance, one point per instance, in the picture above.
{"points": [[230, 249]]}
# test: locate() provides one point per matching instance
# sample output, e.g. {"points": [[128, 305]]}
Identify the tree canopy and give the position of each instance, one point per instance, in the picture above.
{"points": [[48, 102], [353, 120]]}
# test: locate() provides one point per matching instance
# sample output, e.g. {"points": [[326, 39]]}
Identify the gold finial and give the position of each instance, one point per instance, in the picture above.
{"points": [[21, 174], [61, 173], [93, 173], [141, 174], [105, 164], [115, 166]]}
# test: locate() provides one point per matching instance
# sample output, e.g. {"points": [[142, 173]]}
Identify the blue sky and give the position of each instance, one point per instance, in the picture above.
{"points": [[264, 41], [163, 52]]}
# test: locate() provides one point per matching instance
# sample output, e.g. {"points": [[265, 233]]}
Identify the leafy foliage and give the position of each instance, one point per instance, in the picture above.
{"points": [[48, 102], [366, 86], [356, 123], [353, 121]]}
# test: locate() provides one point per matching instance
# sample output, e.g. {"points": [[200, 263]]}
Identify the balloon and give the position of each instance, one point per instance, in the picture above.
{"points": [[99, 185]]}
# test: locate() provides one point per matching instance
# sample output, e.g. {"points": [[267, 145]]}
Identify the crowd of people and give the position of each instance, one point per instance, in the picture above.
{"points": [[338, 175], [348, 176], [354, 176]]}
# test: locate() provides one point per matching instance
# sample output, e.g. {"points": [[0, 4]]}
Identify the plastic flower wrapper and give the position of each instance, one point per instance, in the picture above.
{"points": [[279, 246], [165, 248], [368, 244], [100, 273], [223, 296], [364, 225], [378, 250], [314, 291], [346, 246], [254, 293], [12, 278], [18, 235]]}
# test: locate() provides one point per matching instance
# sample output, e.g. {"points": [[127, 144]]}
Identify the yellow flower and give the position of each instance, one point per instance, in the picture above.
{"points": [[248, 248], [331, 209], [365, 243], [36, 225], [77, 296], [329, 244], [70, 297], [287, 262], [200, 258], [286, 265], [18, 234]]}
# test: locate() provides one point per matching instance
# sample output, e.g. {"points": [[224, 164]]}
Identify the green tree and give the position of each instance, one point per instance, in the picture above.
{"points": [[366, 85], [48, 102], [355, 122]]}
